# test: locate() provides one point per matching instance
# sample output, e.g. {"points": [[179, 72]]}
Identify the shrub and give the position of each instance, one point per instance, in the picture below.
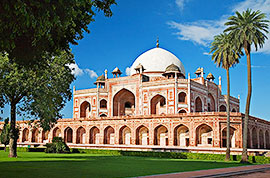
{"points": [[57, 146]]}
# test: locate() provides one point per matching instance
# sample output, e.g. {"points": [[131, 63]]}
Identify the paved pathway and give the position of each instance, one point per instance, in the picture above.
{"points": [[237, 172]]}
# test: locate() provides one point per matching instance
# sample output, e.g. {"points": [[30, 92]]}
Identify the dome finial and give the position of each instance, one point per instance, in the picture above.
{"points": [[157, 42]]}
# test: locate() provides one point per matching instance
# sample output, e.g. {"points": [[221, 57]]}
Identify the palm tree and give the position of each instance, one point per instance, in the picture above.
{"points": [[247, 29], [225, 55]]}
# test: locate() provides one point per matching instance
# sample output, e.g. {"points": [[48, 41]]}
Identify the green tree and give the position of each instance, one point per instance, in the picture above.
{"points": [[225, 55], [30, 28], [4, 137], [247, 29], [39, 92]]}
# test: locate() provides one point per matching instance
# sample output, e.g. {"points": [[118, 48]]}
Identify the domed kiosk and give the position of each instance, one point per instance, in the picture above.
{"points": [[155, 61]]}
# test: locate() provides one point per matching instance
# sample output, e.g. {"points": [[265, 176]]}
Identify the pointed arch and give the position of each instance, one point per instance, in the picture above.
{"points": [[35, 133], [103, 104], [68, 135], [80, 135], [222, 108], [182, 111], [204, 135], [232, 137], [109, 137], [158, 104], [125, 135], [267, 139], [56, 132], [182, 97], [161, 135], [181, 136], [45, 136], [212, 103], [261, 139], [25, 135], [254, 138], [85, 109], [94, 135], [123, 103], [198, 105], [142, 135]]}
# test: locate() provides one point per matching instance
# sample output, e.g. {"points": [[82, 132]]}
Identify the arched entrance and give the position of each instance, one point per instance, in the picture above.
{"points": [[161, 135], [85, 109], [232, 137], [267, 138], [68, 137], [249, 139], [125, 135], [261, 139], [34, 135], [181, 136], [142, 135], [222, 108], [109, 135], [211, 102], [204, 135], [25, 135], [198, 105], [254, 138], [158, 105], [80, 138], [94, 135], [56, 132], [45, 136], [123, 103]]}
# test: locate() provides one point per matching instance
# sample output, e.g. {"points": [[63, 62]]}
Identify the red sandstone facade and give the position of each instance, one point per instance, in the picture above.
{"points": [[152, 109]]}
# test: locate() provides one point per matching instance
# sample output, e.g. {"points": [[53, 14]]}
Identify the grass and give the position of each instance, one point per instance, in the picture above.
{"points": [[29, 164]]}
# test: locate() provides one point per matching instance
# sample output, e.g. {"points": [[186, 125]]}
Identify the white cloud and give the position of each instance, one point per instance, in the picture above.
{"points": [[207, 54], [180, 3], [128, 71], [91, 73], [203, 32], [75, 69]]}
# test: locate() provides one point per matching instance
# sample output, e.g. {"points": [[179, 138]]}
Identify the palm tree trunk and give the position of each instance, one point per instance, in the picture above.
{"points": [[228, 118], [245, 133], [13, 132]]}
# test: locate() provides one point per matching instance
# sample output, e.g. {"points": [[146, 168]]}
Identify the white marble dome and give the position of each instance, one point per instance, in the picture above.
{"points": [[156, 60]]}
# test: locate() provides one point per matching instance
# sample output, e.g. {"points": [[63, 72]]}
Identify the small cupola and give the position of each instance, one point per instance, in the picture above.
{"points": [[173, 70], [210, 77], [116, 72], [100, 81], [198, 72], [139, 68]]}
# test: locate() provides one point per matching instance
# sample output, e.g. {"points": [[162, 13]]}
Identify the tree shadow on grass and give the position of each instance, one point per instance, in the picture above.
{"points": [[102, 166]]}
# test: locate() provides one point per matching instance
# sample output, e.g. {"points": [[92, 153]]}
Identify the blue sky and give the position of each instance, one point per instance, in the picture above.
{"points": [[184, 27]]}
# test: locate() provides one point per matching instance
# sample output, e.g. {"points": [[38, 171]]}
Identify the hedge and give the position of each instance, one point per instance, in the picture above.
{"points": [[26, 149], [174, 155]]}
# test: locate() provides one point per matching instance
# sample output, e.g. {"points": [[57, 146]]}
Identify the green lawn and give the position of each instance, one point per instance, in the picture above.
{"points": [[29, 164]]}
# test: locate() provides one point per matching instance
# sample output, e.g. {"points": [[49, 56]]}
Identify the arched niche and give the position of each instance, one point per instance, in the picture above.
{"points": [[85, 109], [125, 135], [123, 103], [158, 105], [94, 135], [181, 136], [198, 105], [161, 135], [142, 135]]}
